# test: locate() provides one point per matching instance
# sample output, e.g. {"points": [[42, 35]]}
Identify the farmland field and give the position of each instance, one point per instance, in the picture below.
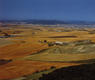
{"points": [[35, 49]]}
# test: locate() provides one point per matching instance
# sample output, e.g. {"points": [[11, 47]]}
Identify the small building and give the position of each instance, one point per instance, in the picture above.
{"points": [[58, 43]]}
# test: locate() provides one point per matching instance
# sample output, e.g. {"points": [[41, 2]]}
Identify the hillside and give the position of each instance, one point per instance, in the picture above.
{"points": [[82, 72]]}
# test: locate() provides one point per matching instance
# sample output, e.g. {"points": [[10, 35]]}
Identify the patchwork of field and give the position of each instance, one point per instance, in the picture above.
{"points": [[31, 49]]}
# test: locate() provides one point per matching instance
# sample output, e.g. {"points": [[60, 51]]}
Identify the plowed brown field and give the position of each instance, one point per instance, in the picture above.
{"points": [[19, 50]]}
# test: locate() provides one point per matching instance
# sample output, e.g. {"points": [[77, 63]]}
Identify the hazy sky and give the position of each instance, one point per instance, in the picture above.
{"points": [[48, 9]]}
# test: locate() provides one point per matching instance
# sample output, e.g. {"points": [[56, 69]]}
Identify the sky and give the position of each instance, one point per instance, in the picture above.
{"points": [[67, 10]]}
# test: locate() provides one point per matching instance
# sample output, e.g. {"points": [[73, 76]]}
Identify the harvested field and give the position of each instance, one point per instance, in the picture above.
{"points": [[29, 55], [17, 69], [67, 53], [19, 50], [4, 42]]}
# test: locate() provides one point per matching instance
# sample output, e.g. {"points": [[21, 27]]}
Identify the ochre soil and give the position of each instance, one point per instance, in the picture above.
{"points": [[19, 50], [20, 68]]}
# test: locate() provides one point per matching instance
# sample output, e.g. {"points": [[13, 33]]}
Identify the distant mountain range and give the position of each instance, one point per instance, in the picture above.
{"points": [[45, 22]]}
